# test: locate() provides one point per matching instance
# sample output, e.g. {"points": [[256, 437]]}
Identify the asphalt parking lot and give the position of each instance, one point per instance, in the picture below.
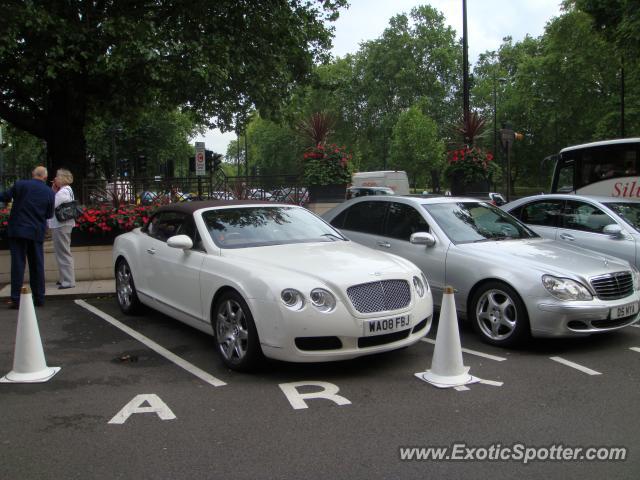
{"points": [[163, 406]]}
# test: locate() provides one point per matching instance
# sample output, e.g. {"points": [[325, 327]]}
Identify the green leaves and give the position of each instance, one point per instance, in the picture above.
{"points": [[217, 59]]}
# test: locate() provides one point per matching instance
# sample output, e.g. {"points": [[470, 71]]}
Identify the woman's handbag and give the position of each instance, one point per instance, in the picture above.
{"points": [[68, 211]]}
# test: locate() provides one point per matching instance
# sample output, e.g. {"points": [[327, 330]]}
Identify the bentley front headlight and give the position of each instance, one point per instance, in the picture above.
{"points": [[565, 288], [323, 300], [418, 284], [426, 282], [292, 298]]}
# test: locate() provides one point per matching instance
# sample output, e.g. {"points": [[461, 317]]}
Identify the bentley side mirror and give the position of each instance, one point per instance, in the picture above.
{"points": [[180, 241], [423, 238]]}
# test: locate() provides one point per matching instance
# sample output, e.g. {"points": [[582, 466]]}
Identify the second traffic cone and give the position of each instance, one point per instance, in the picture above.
{"points": [[29, 365], [447, 369]]}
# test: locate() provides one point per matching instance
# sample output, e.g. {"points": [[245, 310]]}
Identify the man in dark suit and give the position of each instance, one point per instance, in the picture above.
{"points": [[33, 203]]}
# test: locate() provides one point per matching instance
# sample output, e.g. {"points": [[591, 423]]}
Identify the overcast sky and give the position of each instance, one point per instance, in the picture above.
{"points": [[488, 22]]}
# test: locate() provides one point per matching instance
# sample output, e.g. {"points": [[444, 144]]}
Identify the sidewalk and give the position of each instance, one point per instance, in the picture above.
{"points": [[88, 288]]}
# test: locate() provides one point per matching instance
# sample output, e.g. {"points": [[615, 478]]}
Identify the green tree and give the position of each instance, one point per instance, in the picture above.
{"points": [[61, 62], [417, 60], [417, 148], [561, 89], [21, 152], [274, 149], [160, 136], [618, 20]]}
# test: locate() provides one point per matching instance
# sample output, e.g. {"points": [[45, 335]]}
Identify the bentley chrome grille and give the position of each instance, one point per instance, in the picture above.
{"points": [[380, 296], [613, 285]]}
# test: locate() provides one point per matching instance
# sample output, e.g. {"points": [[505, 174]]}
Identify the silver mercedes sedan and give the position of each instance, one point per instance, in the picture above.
{"points": [[509, 282], [609, 225]]}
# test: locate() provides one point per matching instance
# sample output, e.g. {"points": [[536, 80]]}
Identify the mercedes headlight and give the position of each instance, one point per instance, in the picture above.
{"points": [[635, 274], [565, 288], [418, 284], [323, 300], [292, 298]]}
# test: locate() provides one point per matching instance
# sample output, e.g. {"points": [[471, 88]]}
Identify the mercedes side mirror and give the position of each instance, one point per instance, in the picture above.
{"points": [[613, 230], [423, 238]]}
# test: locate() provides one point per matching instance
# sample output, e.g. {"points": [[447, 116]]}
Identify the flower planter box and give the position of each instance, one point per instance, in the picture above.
{"points": [[327, 193], [79, 239], [83, 238], [459, 186]]}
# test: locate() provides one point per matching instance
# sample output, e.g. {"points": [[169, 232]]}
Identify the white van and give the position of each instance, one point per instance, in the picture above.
{"points": [[395, 179]]}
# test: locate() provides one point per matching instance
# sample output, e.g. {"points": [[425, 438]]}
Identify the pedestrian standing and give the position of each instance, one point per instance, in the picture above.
{"points": [[32, 204], [61, 230]]}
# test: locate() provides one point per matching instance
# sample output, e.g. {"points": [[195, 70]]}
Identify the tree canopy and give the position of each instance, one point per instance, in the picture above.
{"points": [[63, 61]]}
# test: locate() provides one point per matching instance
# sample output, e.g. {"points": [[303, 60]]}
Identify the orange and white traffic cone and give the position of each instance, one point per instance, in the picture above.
{"points": [[447, 369], [29, 365]]}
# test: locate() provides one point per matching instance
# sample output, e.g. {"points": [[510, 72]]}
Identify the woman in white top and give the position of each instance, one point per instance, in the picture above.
{"points": [[61, 231]]}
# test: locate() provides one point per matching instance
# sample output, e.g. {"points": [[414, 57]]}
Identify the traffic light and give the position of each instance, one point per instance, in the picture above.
{"points": [[142, 166], [124, 167], [213, 160], [217, 160]]}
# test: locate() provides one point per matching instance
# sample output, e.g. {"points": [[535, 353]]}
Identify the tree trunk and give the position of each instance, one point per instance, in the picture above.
{"points": [[66, 144]]}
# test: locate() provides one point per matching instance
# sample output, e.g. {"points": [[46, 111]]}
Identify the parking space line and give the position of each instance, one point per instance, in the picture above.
{"points": [[493, 383], [189, 367], [471, 352], [577, 366], [635, 349], [635, 326]]}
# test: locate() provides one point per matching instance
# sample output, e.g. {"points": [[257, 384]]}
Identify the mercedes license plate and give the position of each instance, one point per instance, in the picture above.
{"points": [[624, 310]]}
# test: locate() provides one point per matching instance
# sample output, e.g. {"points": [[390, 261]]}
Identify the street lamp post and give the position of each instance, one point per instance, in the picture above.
{"points": [[507, 136], [1, 159], [465, 66], [115, 130], [495, 113]]}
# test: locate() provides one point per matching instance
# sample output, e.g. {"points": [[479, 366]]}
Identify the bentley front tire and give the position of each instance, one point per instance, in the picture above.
{"points": [[235, 333]]}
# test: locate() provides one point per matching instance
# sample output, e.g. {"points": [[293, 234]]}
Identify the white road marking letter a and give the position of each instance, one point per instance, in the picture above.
{"points": [[155, 405]]}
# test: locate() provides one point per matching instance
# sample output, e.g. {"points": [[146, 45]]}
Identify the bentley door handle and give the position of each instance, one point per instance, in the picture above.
{"points": [[566, 236], [152, 251], [384, 244]]}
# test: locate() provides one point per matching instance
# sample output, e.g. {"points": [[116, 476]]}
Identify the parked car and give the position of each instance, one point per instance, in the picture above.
{"points": [[353, 192], [397, 180], [508, 281], [609, 225], [149, 197], [494, 198], [270, 279], [258, 194], [294, 195], [222, 195]]}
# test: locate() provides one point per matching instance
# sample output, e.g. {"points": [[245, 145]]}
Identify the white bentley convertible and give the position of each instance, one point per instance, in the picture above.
{"points": [[270, 279]]}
